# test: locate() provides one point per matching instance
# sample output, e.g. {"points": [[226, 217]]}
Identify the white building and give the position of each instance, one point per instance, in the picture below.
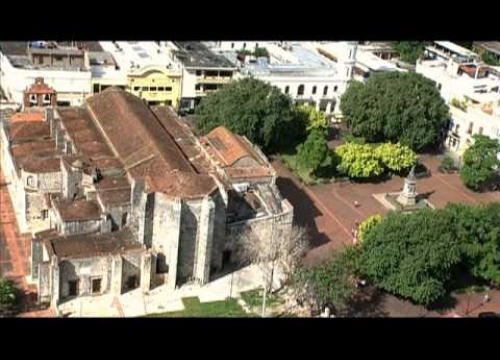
{"points": [[64, 68], [298, 69], [479, 114]]}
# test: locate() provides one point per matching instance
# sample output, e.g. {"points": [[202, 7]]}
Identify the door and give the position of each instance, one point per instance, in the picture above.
{"points": [[73, 288]]}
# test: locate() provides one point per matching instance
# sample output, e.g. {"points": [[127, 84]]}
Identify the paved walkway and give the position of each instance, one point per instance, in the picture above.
{"points": [[162, 299], [329, 212], [15, 252]]}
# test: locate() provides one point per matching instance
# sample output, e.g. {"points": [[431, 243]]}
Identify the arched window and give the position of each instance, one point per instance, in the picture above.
{"points": [[325, 90], [33, 98], [300, 90], [244, 45], [232, 45], [46, 98], [314, 90], [335, 88], [287, 89]]}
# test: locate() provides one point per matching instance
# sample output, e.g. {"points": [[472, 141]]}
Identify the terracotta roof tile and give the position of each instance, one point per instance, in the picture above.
{"points": [[27, 130], [78, 210], [38, 165], [90, 245], [145, 146], [27, 116]]}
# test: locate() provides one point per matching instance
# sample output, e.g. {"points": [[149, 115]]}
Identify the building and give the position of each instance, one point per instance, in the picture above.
{"points": [[475, 114], [64, 66], [145, 69], [446, 50], [491, 49], [203, 71], [121, 195], [456, 79], [299, 69]]}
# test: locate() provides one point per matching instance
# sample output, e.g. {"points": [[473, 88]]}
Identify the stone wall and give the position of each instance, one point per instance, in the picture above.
{"points": [[50, 182], [84, 270], [188, 240], [131, 267], [35, 204], [67, 228], [44, 282], [219, 232]]}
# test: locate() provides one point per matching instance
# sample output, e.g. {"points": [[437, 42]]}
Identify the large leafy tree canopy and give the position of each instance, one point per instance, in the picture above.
{"points": [[416, 255], [409, 51], [396, 107], [480, 162], [313, 152], [359, 160], [315, 119], [330, 283], [255, 109]]}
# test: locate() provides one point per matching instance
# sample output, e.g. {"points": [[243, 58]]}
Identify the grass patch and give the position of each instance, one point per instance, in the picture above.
{"points": [[253, 298], [472, 289], [305, 175], [193, 308]]}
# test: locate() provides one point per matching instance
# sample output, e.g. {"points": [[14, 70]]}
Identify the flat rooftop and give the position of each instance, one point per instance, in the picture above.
{"points": [[18, 54], [197, 55], [292, 59], [493, 46], [90, 245]]}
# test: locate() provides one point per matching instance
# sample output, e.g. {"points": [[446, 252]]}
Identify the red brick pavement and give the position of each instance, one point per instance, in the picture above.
{"points": [[329, 209], [15, 251]]}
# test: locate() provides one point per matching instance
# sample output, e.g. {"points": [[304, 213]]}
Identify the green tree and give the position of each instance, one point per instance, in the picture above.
{"points": [[330, 283], [8, 296], [396, 157], [413, 255], [477, 228], [261, 52], [315, 119], [410, 51], [368, 224], [396, 107], [359, 160], [314, 152], [489, 59], [447, 164], [255, 109], [480, 162]]}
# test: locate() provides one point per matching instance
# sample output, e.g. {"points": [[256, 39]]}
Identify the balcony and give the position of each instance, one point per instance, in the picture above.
{"points": [[213, 79]]}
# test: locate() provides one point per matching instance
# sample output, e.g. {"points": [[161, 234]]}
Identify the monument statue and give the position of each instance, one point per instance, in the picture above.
{"points": [[408, 197]]}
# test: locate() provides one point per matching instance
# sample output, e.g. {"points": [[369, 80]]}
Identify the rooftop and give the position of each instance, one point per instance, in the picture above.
{"points": [[194, 54], [460, 50], [492, 46], [78, 210], [28, 116], [29, 130], [90, 245], [145, 146], [292, 59]]}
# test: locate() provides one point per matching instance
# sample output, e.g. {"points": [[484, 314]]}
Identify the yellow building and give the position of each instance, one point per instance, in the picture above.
{"points": [[156, 84]]}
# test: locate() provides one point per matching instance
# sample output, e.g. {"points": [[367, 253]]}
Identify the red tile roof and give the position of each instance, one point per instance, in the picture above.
{"points": [[145, 146], [27, 130]]}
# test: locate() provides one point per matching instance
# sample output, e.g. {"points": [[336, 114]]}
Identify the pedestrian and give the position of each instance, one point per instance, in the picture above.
{"points": [[356, 204], [486, 298]]}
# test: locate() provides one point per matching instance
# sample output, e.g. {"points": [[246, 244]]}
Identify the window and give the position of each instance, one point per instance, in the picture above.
{"points": [[145, 88], [232, 45], [244, 45], [168, 89], [58, 57], [132, 282], [46, 98], [347, 71], [137, 88], [96, 286], [287, 89], [256, 45], [45, 214], [161, 88], [197, 87], [31, 181], [300, 90], [124, 219], [335, 88], [152, 88], [168, 102], [480, 132], [33, 98], [161, 263], [439, 86], [471, 126], [73, 288], [314, 90], [325, 90], [97, 88], [198, 72]]}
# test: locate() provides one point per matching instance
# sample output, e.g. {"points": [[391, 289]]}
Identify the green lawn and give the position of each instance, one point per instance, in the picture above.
{"points": [[253, 298], [225, 308]]}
